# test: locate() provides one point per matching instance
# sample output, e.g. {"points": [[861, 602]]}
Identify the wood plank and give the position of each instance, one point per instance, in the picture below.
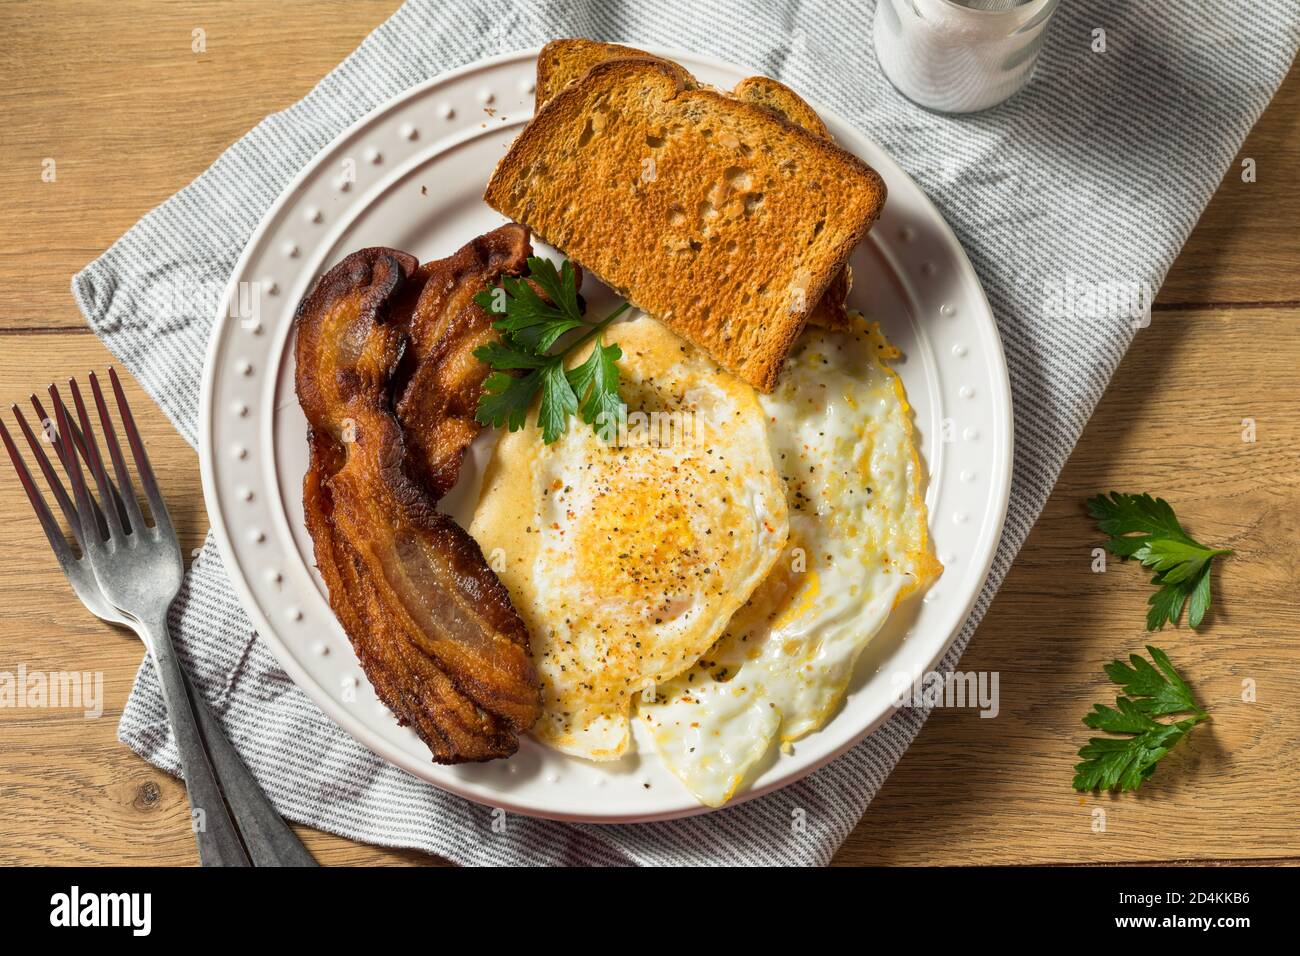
{"points": [[140, 115], [115, 95], [974, 790], [1246, 245]]}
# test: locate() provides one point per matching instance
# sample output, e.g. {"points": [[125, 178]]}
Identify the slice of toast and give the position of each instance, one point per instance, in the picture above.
{"points": [[715, 215], [561, 62]]}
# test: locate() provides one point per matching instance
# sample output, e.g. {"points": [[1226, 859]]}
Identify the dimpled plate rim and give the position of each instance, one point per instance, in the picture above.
{"points": [[931, 299]]}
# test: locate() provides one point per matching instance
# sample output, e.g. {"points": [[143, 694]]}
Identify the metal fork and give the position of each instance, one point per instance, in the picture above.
{"points": [[129, 574]]}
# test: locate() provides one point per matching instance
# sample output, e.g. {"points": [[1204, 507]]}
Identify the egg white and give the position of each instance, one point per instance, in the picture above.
{"points": [[841, 436]]}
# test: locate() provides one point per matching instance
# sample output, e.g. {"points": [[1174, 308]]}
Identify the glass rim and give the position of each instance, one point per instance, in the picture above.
{"points": [[1043, 7]]}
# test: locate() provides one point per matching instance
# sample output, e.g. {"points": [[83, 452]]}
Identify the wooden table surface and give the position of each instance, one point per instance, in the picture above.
{"points": [[114, 94]]}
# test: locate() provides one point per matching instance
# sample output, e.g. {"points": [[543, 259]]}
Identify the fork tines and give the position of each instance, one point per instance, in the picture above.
{"points": [[73, 442]]}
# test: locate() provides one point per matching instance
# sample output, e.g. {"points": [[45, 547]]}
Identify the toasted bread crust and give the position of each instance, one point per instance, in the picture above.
{"points": [[739, 195], [768, 92], [562, 62]]}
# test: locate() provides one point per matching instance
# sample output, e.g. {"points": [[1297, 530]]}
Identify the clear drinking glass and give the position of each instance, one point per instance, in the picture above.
{"points": [[960, 56]]}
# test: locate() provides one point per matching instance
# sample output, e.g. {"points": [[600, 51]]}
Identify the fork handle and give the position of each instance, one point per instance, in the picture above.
{"points": [[269, 839], [217, 835]]}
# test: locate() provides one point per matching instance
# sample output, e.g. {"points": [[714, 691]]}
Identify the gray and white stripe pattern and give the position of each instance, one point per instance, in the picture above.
{"points": [[1097, 172]]}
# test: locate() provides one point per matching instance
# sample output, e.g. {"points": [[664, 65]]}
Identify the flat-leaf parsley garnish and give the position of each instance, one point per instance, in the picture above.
{"points": [[1125, 762], [530, 325], [1145, 528]]}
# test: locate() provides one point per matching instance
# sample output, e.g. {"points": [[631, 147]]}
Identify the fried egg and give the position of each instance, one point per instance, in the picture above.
{"points": [[841, 435], [627, 559]]}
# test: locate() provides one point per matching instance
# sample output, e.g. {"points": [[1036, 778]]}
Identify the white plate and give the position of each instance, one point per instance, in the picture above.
{"points": [[411, 175]]}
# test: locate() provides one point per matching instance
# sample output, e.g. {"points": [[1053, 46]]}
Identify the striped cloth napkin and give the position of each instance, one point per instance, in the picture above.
{"points": [[1095, 173]]}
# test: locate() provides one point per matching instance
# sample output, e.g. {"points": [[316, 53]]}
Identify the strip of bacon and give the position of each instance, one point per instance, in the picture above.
{"points": [[431, 623], [436, 400]]}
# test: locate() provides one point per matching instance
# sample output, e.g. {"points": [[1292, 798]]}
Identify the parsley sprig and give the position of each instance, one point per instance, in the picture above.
{"points": [[530, 326], [1145, 528], [1125, 762]]}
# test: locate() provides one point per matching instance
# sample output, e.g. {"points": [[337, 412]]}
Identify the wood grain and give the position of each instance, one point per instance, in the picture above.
{"points": [[117, 97], [1245, 249], [998, 790], [130, 114]]}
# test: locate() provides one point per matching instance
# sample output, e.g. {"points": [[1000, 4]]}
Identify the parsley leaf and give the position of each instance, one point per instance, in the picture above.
{"points": [[505, 399], [560, 287], [530, 320], [558, 402], [1125, 763], [1154, 692], [499, 355], [1145, 528], [536, 312], [595, 382]]}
